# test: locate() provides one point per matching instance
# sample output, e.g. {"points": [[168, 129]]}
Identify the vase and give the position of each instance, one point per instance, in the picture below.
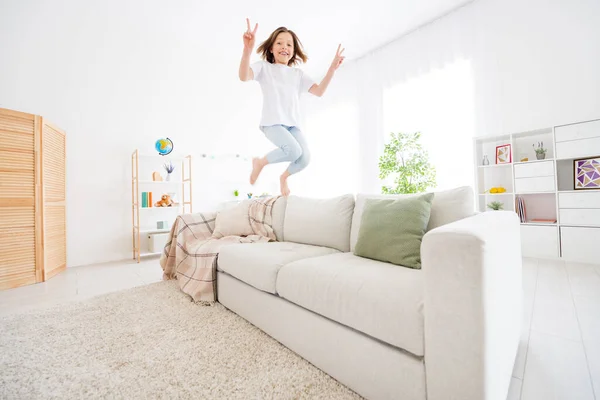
{"points": [[540, 156], [485, 161], [168, 178]]}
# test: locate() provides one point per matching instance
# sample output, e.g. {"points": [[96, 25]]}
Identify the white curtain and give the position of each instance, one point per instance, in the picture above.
{"points": [[421, 82]]}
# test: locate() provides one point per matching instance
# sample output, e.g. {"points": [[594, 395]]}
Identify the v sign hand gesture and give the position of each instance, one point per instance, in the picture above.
{"points": [[338, 59], [319, 90], [249, 36]]}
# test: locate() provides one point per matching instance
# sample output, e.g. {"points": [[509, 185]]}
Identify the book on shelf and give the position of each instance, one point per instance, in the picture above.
{"points": [[146, 199], [543, 221]]}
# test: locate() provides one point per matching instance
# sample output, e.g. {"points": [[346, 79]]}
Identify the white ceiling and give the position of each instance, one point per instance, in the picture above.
{"points": [[211, 30], [360, 25]]}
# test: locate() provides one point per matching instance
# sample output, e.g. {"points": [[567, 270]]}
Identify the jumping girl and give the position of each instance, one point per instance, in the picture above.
{"points": [[281, 86]]}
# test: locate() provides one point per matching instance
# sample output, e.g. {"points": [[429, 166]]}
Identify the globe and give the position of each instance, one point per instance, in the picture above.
{"points": [[164, 146]]}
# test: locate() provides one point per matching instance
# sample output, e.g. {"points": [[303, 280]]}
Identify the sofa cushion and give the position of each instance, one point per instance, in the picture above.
{"points": [[391, 230], [257, 264], [320, 222], [447, 206], [373, 297]]}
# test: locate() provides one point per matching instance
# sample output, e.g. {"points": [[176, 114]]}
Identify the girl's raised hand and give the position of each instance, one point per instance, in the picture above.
{"points": [[249, 36], [338, 59]]}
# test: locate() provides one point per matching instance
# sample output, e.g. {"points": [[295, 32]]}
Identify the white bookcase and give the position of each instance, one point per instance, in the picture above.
{"points": [[547, 188]]}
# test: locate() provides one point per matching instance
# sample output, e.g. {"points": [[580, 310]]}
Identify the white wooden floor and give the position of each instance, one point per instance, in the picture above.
{"points": [[559, 354]]}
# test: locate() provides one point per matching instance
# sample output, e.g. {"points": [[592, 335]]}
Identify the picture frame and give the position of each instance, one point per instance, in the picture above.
{"points": [[504, 154], [586, 173]]}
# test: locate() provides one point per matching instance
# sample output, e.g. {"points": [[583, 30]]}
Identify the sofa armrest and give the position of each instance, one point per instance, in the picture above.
{"points": [[472, 306]]}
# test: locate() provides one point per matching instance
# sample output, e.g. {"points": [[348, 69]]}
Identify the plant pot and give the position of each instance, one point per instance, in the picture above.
{"points": [[540, 156]]}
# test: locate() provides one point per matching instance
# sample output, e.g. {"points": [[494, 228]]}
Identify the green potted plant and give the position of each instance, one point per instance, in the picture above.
{"points": [[540, 151], [405, 160], [496, 205]]}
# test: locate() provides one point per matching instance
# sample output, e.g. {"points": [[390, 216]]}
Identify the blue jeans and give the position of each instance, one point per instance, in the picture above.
{"points": [[291, 145]]}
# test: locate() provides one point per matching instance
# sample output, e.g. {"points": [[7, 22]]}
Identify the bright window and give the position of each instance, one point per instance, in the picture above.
{"points": [[440, 105]]}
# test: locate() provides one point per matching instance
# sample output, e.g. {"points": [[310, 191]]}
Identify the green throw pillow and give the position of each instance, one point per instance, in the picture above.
{"points": [[391, 230]]}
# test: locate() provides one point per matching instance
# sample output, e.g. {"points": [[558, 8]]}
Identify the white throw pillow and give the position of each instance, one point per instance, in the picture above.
{"points": [[320, 222], [447, 206], [233, 221]]}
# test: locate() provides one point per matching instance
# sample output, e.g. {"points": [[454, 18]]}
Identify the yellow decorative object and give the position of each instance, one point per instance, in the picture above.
{"points": [[497, 190], [524, 159]]}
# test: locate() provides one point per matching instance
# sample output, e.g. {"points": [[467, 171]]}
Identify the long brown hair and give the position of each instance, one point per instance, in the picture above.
{"points": [[265, 48]]}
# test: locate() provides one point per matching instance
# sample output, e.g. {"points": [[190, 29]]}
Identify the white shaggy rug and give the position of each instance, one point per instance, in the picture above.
{"points": [[150, 342]]}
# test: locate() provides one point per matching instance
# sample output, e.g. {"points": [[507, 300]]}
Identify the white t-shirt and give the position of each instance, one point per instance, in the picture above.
{"points": [[281, 87]]}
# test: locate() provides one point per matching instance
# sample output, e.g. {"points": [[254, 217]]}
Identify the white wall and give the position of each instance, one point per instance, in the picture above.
{"points": [[118, 75], [535, 64]]}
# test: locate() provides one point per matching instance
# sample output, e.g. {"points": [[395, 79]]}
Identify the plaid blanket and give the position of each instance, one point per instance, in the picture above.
{"points": [[190, 255]]}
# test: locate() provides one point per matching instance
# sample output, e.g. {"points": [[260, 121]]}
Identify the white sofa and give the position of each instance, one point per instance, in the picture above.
{"points": [[447, 331]]}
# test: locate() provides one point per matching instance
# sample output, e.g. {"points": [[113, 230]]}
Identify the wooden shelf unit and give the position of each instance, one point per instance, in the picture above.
{"points": [[184, 201]]}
